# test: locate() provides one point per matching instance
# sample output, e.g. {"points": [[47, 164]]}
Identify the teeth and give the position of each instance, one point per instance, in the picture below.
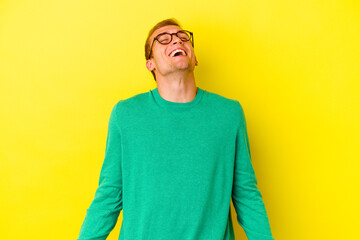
{"points": [[178, 50]]}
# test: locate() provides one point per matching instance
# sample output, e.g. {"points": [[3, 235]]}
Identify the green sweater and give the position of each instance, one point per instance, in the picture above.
{"points": [[173, 169]]}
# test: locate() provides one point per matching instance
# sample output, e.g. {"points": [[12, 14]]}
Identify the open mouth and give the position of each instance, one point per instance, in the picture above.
{"points": [[178, 52]]}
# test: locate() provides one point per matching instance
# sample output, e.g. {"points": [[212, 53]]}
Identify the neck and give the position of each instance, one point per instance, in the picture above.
{"points": [[179, 87]]}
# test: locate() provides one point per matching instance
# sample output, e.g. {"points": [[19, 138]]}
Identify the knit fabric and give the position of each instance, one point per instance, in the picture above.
{"points": [[173, 168]]}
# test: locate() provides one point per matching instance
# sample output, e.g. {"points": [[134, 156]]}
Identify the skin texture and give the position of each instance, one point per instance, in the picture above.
{"points": [[174, 75]]}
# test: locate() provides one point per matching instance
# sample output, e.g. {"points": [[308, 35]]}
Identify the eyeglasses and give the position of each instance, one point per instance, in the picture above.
{"points": [[166, 38]]}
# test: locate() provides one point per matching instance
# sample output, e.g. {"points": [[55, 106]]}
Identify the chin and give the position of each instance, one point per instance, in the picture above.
{"points": [[183, 65]]}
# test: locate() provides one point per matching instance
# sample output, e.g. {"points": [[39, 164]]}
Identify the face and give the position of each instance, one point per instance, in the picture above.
{"points": [[163, 60]]}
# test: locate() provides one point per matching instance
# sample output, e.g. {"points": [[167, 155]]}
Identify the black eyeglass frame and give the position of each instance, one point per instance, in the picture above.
{"points": [[171, 38]]}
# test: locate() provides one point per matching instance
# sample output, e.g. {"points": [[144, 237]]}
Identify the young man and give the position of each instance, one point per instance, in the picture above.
{"points": [[175, 156]]}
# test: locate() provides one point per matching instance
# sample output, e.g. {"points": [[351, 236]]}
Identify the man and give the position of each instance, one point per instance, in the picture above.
{"points": [[175, 156]]}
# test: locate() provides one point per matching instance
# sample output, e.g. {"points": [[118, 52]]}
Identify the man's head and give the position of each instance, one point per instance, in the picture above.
{"points": [[168, 48]]}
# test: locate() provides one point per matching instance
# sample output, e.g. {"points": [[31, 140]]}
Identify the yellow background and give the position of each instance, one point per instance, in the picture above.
{"points": [[293, 65]]}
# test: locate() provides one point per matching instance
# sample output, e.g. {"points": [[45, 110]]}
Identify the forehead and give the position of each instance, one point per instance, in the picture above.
{"points": [[169, 29]]}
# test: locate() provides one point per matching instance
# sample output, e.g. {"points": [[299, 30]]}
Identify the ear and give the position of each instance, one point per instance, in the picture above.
{"points": [[196, 62], [150, 65]]}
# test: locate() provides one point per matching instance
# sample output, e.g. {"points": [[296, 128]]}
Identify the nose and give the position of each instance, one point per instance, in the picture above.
{"points": [[176, 39]]}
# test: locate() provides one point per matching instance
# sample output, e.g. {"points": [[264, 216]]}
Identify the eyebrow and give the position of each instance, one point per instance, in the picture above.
{"points": [[162, 33], [170, 33]]}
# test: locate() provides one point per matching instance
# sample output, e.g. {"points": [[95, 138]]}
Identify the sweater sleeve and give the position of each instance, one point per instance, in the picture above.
{"points": [[101, 216], [247, 199]]}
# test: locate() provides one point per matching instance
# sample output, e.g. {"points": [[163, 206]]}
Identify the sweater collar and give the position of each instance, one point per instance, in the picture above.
{"points": [[168, 104]]}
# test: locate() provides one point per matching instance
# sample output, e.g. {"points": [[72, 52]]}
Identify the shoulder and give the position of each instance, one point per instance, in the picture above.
{"points": [[134, 100], [232, 108], [131, 103], [226, 103]]}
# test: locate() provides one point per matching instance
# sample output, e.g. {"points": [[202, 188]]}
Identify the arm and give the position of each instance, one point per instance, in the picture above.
{"points": [[105, 208], [247, 199]]}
